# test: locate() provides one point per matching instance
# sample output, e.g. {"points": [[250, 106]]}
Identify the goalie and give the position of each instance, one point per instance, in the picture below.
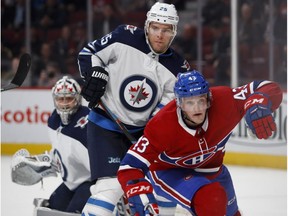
{"points": [[68, 156]]}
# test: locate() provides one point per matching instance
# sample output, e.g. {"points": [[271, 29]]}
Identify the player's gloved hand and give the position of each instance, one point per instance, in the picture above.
{"points": [[141, 199], [258, 116], [95, 85], [29, 169]]}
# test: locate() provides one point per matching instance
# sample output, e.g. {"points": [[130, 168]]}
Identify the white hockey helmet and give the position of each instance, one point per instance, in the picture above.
{"points": [[67, 98], [162, 13]]}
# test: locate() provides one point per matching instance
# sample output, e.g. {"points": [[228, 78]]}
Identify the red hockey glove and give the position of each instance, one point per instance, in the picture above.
{"points": [[141, 199], [258, 116], [95, 85]]}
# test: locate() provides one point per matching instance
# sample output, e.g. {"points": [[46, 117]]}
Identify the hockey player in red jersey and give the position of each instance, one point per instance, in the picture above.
{"points": [[183, 146]]}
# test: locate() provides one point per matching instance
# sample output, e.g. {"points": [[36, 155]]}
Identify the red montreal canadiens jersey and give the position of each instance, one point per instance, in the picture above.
{"points": [[168, 143]]}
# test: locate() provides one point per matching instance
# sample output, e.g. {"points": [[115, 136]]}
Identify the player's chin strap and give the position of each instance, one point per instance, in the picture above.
{"points": [[29, 169], [185, 117]]}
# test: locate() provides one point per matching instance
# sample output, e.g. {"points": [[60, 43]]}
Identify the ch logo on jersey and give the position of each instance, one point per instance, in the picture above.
{"points": [[82, 122], [137, 93], [190, 161]]}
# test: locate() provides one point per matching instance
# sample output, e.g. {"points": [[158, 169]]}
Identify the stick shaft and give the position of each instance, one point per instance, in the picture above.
{"points": [[118, 122]]}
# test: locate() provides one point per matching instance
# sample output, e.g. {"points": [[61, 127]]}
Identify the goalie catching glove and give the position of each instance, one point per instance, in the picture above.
{"points": [[95, 85], [29, 170], [258, 116], [141, 199]]}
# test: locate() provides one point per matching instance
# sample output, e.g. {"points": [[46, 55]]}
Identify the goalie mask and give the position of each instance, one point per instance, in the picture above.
{"points": [[67, 98], [162, 13], [192, 85]]}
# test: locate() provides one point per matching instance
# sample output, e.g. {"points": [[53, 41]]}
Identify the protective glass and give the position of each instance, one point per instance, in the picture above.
{"points": [[195, 103]]}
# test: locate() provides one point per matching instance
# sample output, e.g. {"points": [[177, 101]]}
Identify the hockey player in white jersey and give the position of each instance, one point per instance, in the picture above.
{"points": [[68, 156], [133, 72]]}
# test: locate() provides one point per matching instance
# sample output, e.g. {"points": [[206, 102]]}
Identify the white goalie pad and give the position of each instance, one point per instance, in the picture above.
{"points": [[43, 211], [27, 169]]}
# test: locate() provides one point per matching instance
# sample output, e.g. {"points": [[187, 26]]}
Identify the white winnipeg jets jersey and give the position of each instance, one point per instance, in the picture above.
{"points": [[69, 147], [140, 82]]}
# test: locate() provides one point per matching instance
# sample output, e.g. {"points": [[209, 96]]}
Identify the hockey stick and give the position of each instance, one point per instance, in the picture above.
{"points": [[118, 122], [21, 73], [114, 117], [121, 207]]}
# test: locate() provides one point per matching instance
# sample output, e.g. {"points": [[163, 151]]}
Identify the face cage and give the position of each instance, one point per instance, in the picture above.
{"points": [[67, 113], [147, 23]]}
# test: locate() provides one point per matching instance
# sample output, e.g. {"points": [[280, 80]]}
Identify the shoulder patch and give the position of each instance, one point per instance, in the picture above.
{"points": [[130, 28], [82, 122]]}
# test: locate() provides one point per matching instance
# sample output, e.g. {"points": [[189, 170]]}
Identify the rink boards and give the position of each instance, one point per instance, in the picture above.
{"points": [[25, 112]]}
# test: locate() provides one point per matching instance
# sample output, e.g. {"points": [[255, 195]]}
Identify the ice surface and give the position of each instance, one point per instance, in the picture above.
{"points": [[260, 192]]}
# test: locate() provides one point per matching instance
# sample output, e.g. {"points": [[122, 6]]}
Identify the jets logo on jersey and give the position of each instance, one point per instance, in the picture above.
{"points": [[131, 28], [82, 122], [137, 93], [59, 164], [186, 65]]}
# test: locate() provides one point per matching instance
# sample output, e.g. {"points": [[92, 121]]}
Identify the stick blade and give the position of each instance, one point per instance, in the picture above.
{"points": [[21, 73], [23, 69], [9, 86]]}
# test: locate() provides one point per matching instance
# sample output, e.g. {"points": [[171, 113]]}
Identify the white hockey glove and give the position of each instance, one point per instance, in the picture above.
{"points": [[29, 169]]}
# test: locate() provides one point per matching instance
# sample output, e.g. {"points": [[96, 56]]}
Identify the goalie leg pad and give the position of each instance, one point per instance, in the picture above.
{"points": [[40, 202], [42, 211], [105, 194], [211, 199]]}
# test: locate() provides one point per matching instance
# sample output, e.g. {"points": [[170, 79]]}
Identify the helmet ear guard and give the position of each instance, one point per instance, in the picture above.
{"points": [[189, 84], [66, 88]]}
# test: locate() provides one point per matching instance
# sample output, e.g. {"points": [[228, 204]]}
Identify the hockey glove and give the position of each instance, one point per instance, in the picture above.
{"points": [[258, 116], [95, 85], [29, 169], [141, 199]]}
